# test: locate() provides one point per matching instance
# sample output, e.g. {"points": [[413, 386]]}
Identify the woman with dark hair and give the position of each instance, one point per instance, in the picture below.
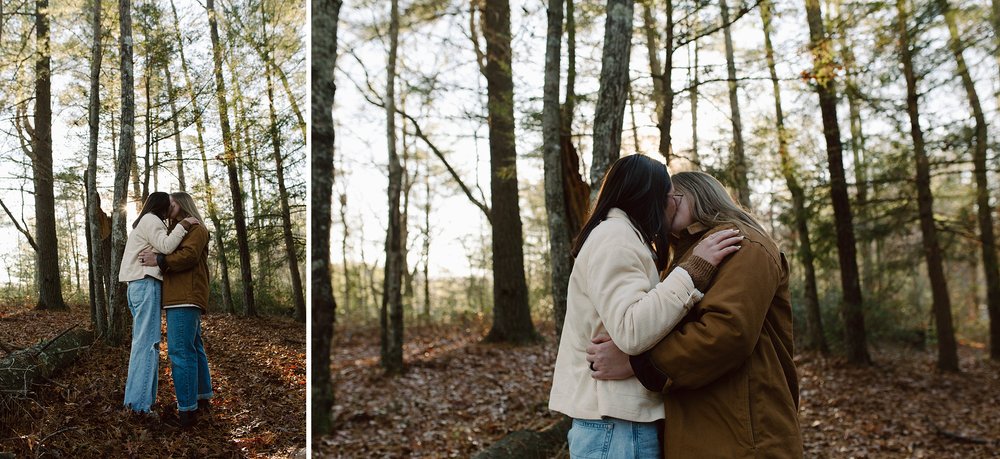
{"points": [[144, 290], [615, 288], [185, 299]]}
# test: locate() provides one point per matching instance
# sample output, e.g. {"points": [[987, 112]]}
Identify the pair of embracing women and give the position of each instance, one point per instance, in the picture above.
{"points": [[694, 364], [166, 266]]}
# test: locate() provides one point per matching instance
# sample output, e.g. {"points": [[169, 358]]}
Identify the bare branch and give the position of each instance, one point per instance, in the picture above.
{"points": [[377, 101], [17, 225]]}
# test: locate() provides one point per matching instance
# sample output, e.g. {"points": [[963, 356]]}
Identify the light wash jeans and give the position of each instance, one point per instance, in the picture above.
{"points": [[611, 438], [188, 362], [144, 360]]}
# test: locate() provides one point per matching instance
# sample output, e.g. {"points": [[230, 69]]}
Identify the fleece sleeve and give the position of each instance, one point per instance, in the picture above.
{"points": [[635, 316]]}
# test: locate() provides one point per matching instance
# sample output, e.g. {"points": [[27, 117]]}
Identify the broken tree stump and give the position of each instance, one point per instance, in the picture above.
{"points": [[529, 444], [21, 369]]}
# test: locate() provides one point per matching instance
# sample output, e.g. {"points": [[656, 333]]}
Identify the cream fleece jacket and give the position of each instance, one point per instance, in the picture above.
{"points": [[150, 233], [615, 287]]}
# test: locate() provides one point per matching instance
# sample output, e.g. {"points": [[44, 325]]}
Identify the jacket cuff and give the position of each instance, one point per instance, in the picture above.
{"points": [[648, 375], [701, 271], [161, 261]]}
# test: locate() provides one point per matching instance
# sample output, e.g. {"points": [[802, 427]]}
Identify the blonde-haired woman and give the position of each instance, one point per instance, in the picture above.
{"points": [[726, 368], [616, 287], [185, 299]]}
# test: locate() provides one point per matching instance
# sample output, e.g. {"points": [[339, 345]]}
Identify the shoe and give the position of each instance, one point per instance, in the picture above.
{"points": [[183, 420], [204, 407]]}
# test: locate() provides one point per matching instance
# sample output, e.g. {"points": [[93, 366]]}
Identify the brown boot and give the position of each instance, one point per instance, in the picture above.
{"points": [[184, 419]]}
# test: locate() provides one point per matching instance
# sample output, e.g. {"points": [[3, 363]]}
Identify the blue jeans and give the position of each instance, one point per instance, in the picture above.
{"points": [[188, 362], [613, 438], [144, 360]]}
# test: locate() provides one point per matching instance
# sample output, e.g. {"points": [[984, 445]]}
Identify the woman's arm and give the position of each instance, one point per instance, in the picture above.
{"points": [[156, 233], [187, 255], [635, 317]]}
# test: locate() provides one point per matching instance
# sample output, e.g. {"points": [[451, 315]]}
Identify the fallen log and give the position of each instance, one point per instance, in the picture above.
{"points": [[21, 369], [529, 444]]}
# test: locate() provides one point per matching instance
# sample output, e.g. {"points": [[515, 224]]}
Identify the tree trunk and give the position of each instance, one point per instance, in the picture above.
{"points": [[21, 369], [239, 217], [652, 50], [854, 98], [343, 246], [610, 109], [172, 95], [695, 81], [118, 323], [555, 199], [286, 218], [815, 339], [324, 60], [49, 287], [739, 165], [665, 118], [99, 298], [391, 315], [511, 311], [427, 241], [148, 124], [227, 295], [855, 340], [947, 350], [986, 237], [576, 189]]}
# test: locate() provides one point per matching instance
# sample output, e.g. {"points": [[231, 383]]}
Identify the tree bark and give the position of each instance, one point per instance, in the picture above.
{"points": [[947, 349], [986, 235], [229, 158], [324, 60], [213, 214], [391, 314], [555, 199], [286, 218], [815, 339], [576, 188], [511, 311], [854, 98], [855, 340], [172, 95], [665, 116], [739, 159], [610, 110], [21, 369], [118, 324], [49, 287], [695, 158], [99, 299]]}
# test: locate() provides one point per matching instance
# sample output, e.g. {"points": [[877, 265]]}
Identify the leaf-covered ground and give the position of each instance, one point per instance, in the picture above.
{"points": [[258, 374], [460, 395]]}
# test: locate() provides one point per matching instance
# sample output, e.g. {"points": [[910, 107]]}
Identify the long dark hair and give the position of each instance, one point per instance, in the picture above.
{"points": [[157, 203], [639, 186]]}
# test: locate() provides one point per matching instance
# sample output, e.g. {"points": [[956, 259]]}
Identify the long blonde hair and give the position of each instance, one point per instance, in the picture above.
{"points": [[186, 204], [711, 204]]}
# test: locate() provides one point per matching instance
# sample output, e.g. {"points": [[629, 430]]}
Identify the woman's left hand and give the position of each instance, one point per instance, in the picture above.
{"points": [[607, 362], [147, 258]]}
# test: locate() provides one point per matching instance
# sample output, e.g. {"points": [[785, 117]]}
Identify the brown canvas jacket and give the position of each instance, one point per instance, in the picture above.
{"points": [[185, 271], [726, 369]]}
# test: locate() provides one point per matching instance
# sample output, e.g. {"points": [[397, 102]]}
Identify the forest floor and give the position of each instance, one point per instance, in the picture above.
{"points": [[258, 376], [459, 395]]}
